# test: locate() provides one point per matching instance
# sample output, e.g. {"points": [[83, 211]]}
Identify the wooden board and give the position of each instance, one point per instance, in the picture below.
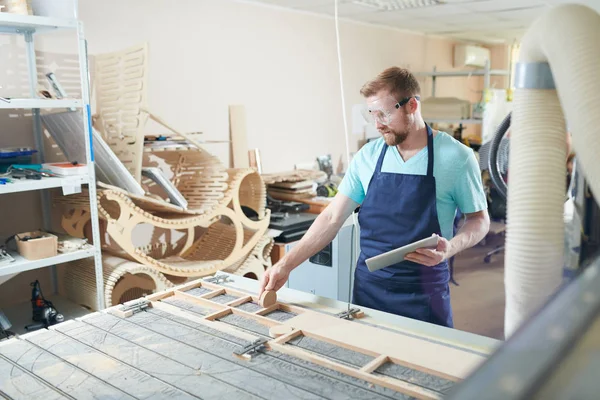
{"points": [[383, 346], [402, 349], [239, 140]]}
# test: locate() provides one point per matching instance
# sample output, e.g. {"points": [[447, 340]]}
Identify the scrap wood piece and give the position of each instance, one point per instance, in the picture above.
{"points": [[238, 136], [299, 175]]}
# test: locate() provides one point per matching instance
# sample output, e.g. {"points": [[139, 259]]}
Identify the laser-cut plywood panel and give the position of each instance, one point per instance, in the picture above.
{"points": [[121, 96], [123, 281]]}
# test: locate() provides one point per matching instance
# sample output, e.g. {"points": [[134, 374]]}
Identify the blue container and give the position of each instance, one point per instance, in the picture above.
{"points": [[15, 155]]}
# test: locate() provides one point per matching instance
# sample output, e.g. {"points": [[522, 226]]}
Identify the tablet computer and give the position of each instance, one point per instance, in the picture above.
{"points": [[397, 255]]}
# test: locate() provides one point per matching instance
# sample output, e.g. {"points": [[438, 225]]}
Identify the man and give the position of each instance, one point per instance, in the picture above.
{"points": [[409, 185]]}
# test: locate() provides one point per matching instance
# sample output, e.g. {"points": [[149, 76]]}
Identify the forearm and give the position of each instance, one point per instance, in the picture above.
{"points": [[471, 233], [321, 232]]}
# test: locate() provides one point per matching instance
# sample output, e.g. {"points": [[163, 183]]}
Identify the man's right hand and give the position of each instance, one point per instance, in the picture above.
{"points": [[274, 278]]}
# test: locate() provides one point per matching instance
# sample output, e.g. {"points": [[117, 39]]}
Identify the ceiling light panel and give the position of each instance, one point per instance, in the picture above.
{"points": [[394, 5], [485, 6]]}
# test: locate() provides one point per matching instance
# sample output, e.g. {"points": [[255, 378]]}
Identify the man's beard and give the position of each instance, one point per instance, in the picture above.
{"points": [[393, 138]]}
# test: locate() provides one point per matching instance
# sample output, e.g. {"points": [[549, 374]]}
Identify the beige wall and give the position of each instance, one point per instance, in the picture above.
{"points": [[207, 54], [282, 65]]}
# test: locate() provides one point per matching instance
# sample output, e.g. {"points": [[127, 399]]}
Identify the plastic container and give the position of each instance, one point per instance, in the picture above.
{"points": [[15, 155]]}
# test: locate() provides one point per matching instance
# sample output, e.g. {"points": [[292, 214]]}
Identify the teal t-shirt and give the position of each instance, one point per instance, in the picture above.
{"points": [[456, 171]]}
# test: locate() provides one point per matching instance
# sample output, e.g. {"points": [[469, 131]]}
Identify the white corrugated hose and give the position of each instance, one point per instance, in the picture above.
{"points": [[567, 38]]}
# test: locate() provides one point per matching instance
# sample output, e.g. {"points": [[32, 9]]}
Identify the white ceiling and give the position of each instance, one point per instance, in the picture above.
{"points": [[485, 21]]}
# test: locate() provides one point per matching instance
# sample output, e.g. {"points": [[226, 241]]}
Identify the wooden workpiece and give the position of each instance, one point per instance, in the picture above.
{"points": [[382, 346], [280, 330], [268, 298]]}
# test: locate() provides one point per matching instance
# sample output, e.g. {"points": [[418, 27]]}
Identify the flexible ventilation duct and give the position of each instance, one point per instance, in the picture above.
{"points": [[567, 39]]}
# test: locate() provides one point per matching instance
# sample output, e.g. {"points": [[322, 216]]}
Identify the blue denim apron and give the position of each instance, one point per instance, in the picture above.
{"points": [[400, 209]]}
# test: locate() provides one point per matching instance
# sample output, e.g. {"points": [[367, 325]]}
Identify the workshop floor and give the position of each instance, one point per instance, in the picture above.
{"points": [[478, 301]]}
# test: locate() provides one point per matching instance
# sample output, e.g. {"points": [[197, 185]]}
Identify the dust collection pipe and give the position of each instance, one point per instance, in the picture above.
{"points": [[565, 39]]}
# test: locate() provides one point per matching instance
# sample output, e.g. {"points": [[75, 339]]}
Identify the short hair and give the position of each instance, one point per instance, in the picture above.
{"points": [[400, 82]]}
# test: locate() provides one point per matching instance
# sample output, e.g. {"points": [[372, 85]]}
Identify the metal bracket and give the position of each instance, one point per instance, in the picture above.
{"points": [[245, 352], [350, 314], [133, 307], [218, 279]]}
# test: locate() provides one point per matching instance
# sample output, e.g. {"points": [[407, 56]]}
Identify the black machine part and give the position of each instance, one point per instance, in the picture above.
{"points": [[44, 312], [493, 167]]}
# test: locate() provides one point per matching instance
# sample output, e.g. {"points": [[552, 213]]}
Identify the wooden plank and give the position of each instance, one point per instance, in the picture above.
{"points": [[199, 300], [376, 363], [239, 301], [394, 384], [267, 310], [286, 338], [200, 320], [159, 296], [218, 314], [129, 380], [239, 140], [258, 318], [415, 353], [210, 295], [64, 376], [18, 384]]}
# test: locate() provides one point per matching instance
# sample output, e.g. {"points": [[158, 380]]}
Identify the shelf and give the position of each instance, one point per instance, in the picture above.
{"points": [[21, 264], [478, 72], [17, 23], [40, 103], [453, 121], [25, 185], [20, 314]]}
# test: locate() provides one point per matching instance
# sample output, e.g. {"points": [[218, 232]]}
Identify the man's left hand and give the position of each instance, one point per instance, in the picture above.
{"points": [[431, 257]]}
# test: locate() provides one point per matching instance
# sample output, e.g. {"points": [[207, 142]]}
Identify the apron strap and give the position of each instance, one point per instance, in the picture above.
{"points": [[429, 151], [380, 160], [429, 154]]}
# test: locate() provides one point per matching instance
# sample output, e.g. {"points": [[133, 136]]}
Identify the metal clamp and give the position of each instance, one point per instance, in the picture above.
{"points": [[245, 352], [534, 76], [218, 279], [352, 313], [135, 306]]}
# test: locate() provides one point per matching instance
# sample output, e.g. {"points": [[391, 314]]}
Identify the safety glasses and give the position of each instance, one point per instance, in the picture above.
{"points": [[381, 112]]}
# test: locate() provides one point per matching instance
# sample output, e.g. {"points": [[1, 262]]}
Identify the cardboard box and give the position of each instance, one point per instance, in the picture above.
{"points": [[41, 245]]}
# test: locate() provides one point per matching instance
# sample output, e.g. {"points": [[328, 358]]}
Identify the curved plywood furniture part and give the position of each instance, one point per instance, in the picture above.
{"points": [[214, 238], [120, 80], [257, 262], [123, 281]]}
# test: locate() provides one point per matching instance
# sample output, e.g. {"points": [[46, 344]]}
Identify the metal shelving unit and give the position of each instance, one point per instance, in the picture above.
{"points": [[45, 183], [486, 72], [28, 26]]}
